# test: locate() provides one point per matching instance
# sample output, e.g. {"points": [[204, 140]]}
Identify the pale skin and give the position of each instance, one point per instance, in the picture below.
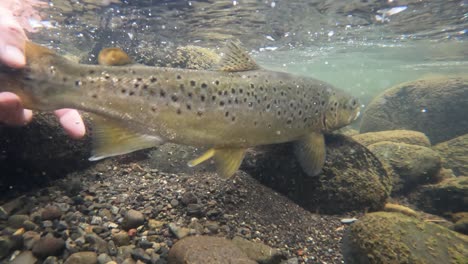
{"points": [[12, 38]]}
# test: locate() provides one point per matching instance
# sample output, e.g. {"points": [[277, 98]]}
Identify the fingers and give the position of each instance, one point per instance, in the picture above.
{"points": [[12, 38], [71, 122], [11, 110]]}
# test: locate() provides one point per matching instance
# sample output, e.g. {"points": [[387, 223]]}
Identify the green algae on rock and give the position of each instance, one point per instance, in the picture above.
{"points": [[411, 165], [447, 196], [352, 179], [383, 237], [454, 154], [398, 136], [435, 106]]}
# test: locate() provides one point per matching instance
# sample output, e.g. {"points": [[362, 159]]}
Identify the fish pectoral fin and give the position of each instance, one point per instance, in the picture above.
{"points": [[310, 151], [227, 160], [110, 138], [236, 59]]}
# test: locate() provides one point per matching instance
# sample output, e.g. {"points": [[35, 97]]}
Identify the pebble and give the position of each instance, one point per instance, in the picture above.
{"points": [[140, 254], [51, 213], [96, 220], [17, 221], [179, 232], [121, 238], [155, 224], [194, 209], [48, 246], [348, 221], [98, 244], [188, 198], [84, 257], [6, 246], [133, 219], [51, 260], [25, 257], [47, 223], [174, 202], [29, 225], [104, 258], [30, 238], [112, 248]]}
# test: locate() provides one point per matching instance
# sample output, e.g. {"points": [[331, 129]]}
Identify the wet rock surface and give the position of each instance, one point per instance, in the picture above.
{"points": [[454, 154], [402, 239], [435, 106], [448, 196], [397, 136], [352, 179], [411, 165]]}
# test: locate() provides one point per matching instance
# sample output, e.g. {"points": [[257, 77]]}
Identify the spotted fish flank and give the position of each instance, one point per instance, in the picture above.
{"points": [[235, 106]]}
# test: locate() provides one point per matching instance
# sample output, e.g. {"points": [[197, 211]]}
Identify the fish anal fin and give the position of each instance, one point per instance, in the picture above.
{"points": [[111, 138], [227, 160], [236, 59], [310, 152]]}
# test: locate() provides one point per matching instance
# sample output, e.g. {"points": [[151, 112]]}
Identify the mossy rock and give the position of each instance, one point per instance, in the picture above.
{"points": [[384, 237], [398, 136], [454, 154], [435, 106], [411, 165], [352, 179], [448, 196]]}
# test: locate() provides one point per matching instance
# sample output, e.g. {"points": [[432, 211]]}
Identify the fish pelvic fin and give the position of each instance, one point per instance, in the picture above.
{"points": [[33, 51], [227, 160], [110, 138], [236, 59], [310, 152]]}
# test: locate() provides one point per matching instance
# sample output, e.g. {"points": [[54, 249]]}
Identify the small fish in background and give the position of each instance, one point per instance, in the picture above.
{"points": [[235, 106], [387, 12]]}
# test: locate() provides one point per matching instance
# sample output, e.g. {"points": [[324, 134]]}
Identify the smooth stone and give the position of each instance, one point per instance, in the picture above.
{"points": [[51, 260], [133, 219], [121, 238], [454, 154], [155, 224], [188, 198], [84, 257], [140, 254], [96, 220], [6, 246], [17, 221], [112, 248], [258, 251], [25, 257], [51, 213], [348, 221], [207, 250], [29, 225], [97, 243], [12, 206], [48, 246]]}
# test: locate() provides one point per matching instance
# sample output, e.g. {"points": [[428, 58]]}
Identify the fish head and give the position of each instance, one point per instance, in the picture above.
{"points": [[342, 110]]}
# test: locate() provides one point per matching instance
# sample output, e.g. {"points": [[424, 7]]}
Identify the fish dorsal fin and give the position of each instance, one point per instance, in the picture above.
{"points": [[113, 57], [227, 160], [236, 59], [310, 152], [111, 138]]}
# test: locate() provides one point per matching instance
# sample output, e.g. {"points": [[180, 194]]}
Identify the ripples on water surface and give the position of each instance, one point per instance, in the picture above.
{"points": [[360, 46]]}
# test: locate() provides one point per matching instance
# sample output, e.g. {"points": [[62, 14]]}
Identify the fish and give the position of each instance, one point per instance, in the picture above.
{"points": [[226, 110]]}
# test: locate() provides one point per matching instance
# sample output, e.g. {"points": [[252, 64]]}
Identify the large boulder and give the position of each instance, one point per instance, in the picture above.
{"points": [[435, 106], [384, 237], [454, 154], [411, 165], [398, 136], [448, 196], [352, 179]]}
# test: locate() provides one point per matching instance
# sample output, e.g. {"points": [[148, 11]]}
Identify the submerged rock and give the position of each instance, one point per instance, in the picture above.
{"points": [[352, 179], [454, 154], [435, 106], [208, 250], [398, 136], [448, 196], [411, 165], [259, 252], [384, 237]]}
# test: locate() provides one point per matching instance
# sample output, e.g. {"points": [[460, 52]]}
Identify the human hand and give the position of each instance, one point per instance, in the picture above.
{"points": [[12, 38]]}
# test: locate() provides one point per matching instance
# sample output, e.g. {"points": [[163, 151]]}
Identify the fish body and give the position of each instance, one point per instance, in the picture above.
{"points": [[236, 106]]}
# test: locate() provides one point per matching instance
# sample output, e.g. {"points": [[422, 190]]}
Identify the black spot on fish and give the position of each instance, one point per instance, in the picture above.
{"points": [[153, 108], [174, 98], [137, 85], [213, 98], [252, 85], [153, 79], [182, 87], [189, 107], [190, 94], [233, 118], [226, 114], [323, 102], [162, 93], [233, 91], [145, 87], [133, 71], [179, 111], [225, 92], [178, 77], [202, 98], [139, 79], [77, 83], [64, 79], [221, 103], [203, 85], [192, 82], [217, 82], [131, 93], [268, 106], [94, 96], [241, 90], [289, 121], [199, 113], [91, 71]]}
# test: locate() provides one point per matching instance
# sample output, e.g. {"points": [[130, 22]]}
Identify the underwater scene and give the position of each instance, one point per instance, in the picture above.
{"points": [[223, 131]]}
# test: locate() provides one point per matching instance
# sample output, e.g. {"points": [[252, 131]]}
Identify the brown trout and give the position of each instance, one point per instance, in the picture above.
{"points": [[235, 106]]}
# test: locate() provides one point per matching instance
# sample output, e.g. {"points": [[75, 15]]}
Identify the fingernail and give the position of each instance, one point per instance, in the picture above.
{"points": [[15, 56]]}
